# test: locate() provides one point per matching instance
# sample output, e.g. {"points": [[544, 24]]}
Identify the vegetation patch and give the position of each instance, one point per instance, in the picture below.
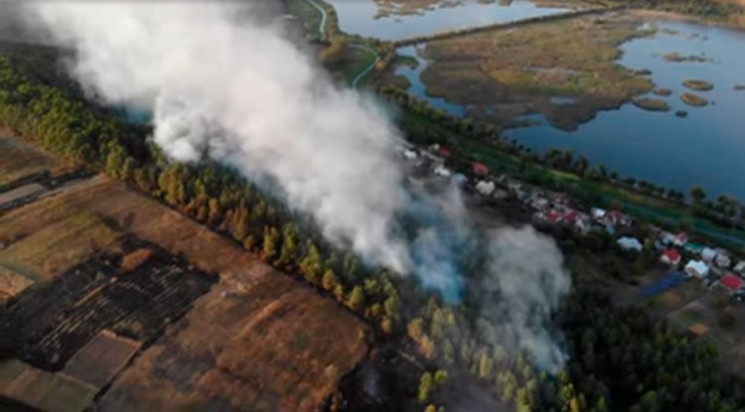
{"points": [[694, 100], [523, 69], [698, 85], [652, 105], [739, 87], [678, 58], [662, 92]]}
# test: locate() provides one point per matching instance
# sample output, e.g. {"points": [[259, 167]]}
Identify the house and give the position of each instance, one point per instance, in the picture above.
{"points": [[681, 239], [722, 260], [668, 238], [444, 152], [740, 267], [731, 282], [480, 169], [670, 257], [630, 243], [441, 170], [485, 188], [410, 155], [697, 269], [708, 254], [539, 203], [597, 213], [694, 248], [571, 217], [614, 217], [553, 216]]}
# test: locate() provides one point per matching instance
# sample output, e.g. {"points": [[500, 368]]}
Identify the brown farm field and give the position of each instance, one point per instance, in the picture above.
{"points": [[19, 161], [258, 337]]}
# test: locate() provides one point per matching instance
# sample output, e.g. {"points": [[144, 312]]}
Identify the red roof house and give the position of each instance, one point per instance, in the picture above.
{"points": [[444, 152], [480, 169], [670, 256], [614, 216], [554, 216], [731, 282], [681, 239], [571, 216]]}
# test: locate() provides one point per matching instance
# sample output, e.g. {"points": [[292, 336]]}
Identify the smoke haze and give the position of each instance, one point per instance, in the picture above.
{"points": [[221, 85]]}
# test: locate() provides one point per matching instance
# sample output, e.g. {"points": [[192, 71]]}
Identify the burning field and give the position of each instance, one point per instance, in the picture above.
{"points": [[119, 276]]}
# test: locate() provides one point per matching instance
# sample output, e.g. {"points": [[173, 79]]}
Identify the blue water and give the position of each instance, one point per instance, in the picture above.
{"points": [[707, 148], [418, 89], [359, 17]]}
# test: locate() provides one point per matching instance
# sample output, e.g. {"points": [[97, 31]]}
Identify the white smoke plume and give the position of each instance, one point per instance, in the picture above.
{"points": [[222, 85]]}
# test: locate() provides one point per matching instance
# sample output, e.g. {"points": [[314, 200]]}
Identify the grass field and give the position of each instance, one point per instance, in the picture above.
{"points": [[525, 68], [307, 14]]}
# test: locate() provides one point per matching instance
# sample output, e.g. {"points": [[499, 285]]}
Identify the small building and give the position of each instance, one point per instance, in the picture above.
{"points": [[694, 248], [444, 152], [731, 282], [740, 267], [681, 239], [723, 260], [441, 170], [630, 243], [708, 254], [410, 154], [539, 203], [614, 217], [670, 257], [485, 188], [480, 169], [553, 216], [597, 213], [697, 269], [667, 238]]}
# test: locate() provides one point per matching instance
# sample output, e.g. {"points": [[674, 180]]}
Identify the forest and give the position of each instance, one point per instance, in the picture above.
{"points": [[619, 358]]}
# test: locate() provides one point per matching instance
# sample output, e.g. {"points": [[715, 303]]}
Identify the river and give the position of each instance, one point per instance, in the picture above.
{"points": [[363, 16]]}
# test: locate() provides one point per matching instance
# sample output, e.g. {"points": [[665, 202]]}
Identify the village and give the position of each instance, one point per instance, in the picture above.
{"points": [[683, 257]]}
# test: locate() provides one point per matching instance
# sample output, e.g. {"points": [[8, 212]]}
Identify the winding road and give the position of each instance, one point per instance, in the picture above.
{"points": [[322, 24], [322, 33]]}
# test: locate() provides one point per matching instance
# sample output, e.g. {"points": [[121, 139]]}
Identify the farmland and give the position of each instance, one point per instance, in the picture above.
{"points": [[97, 274]]}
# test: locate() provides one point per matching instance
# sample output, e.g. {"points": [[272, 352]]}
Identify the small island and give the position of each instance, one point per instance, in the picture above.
{"points": [[662, 92], [693, 100], [698, 85], [739, 87], [652, 105], [681, 113], [679, 58]]}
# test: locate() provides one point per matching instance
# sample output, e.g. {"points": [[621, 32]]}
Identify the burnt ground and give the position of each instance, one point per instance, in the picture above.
{"points": [[48, 324]]}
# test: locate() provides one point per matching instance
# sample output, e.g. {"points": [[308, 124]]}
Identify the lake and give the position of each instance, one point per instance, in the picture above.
{"points": [[359, 17], [706, 148]]}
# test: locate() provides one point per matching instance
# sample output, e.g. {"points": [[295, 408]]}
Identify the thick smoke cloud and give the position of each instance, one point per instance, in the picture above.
{"points": [[223, 86]]}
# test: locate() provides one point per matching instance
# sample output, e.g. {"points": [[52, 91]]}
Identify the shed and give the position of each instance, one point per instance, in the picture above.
{"points": [[630, 243], [708, 254], [670, 256], [697, 268], [731, 282], [480, 169]]}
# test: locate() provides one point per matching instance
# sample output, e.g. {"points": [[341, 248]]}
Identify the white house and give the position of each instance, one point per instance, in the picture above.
{"points": [[485, 188], [722, 260], [697, 268], [441, 170], [597, 213], [668, 238], [410, 154], [708, 254], [630, 243], [740, 267]]}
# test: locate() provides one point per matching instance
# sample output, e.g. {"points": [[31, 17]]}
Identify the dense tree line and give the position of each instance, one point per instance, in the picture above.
{"points": [[621, 360]]}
